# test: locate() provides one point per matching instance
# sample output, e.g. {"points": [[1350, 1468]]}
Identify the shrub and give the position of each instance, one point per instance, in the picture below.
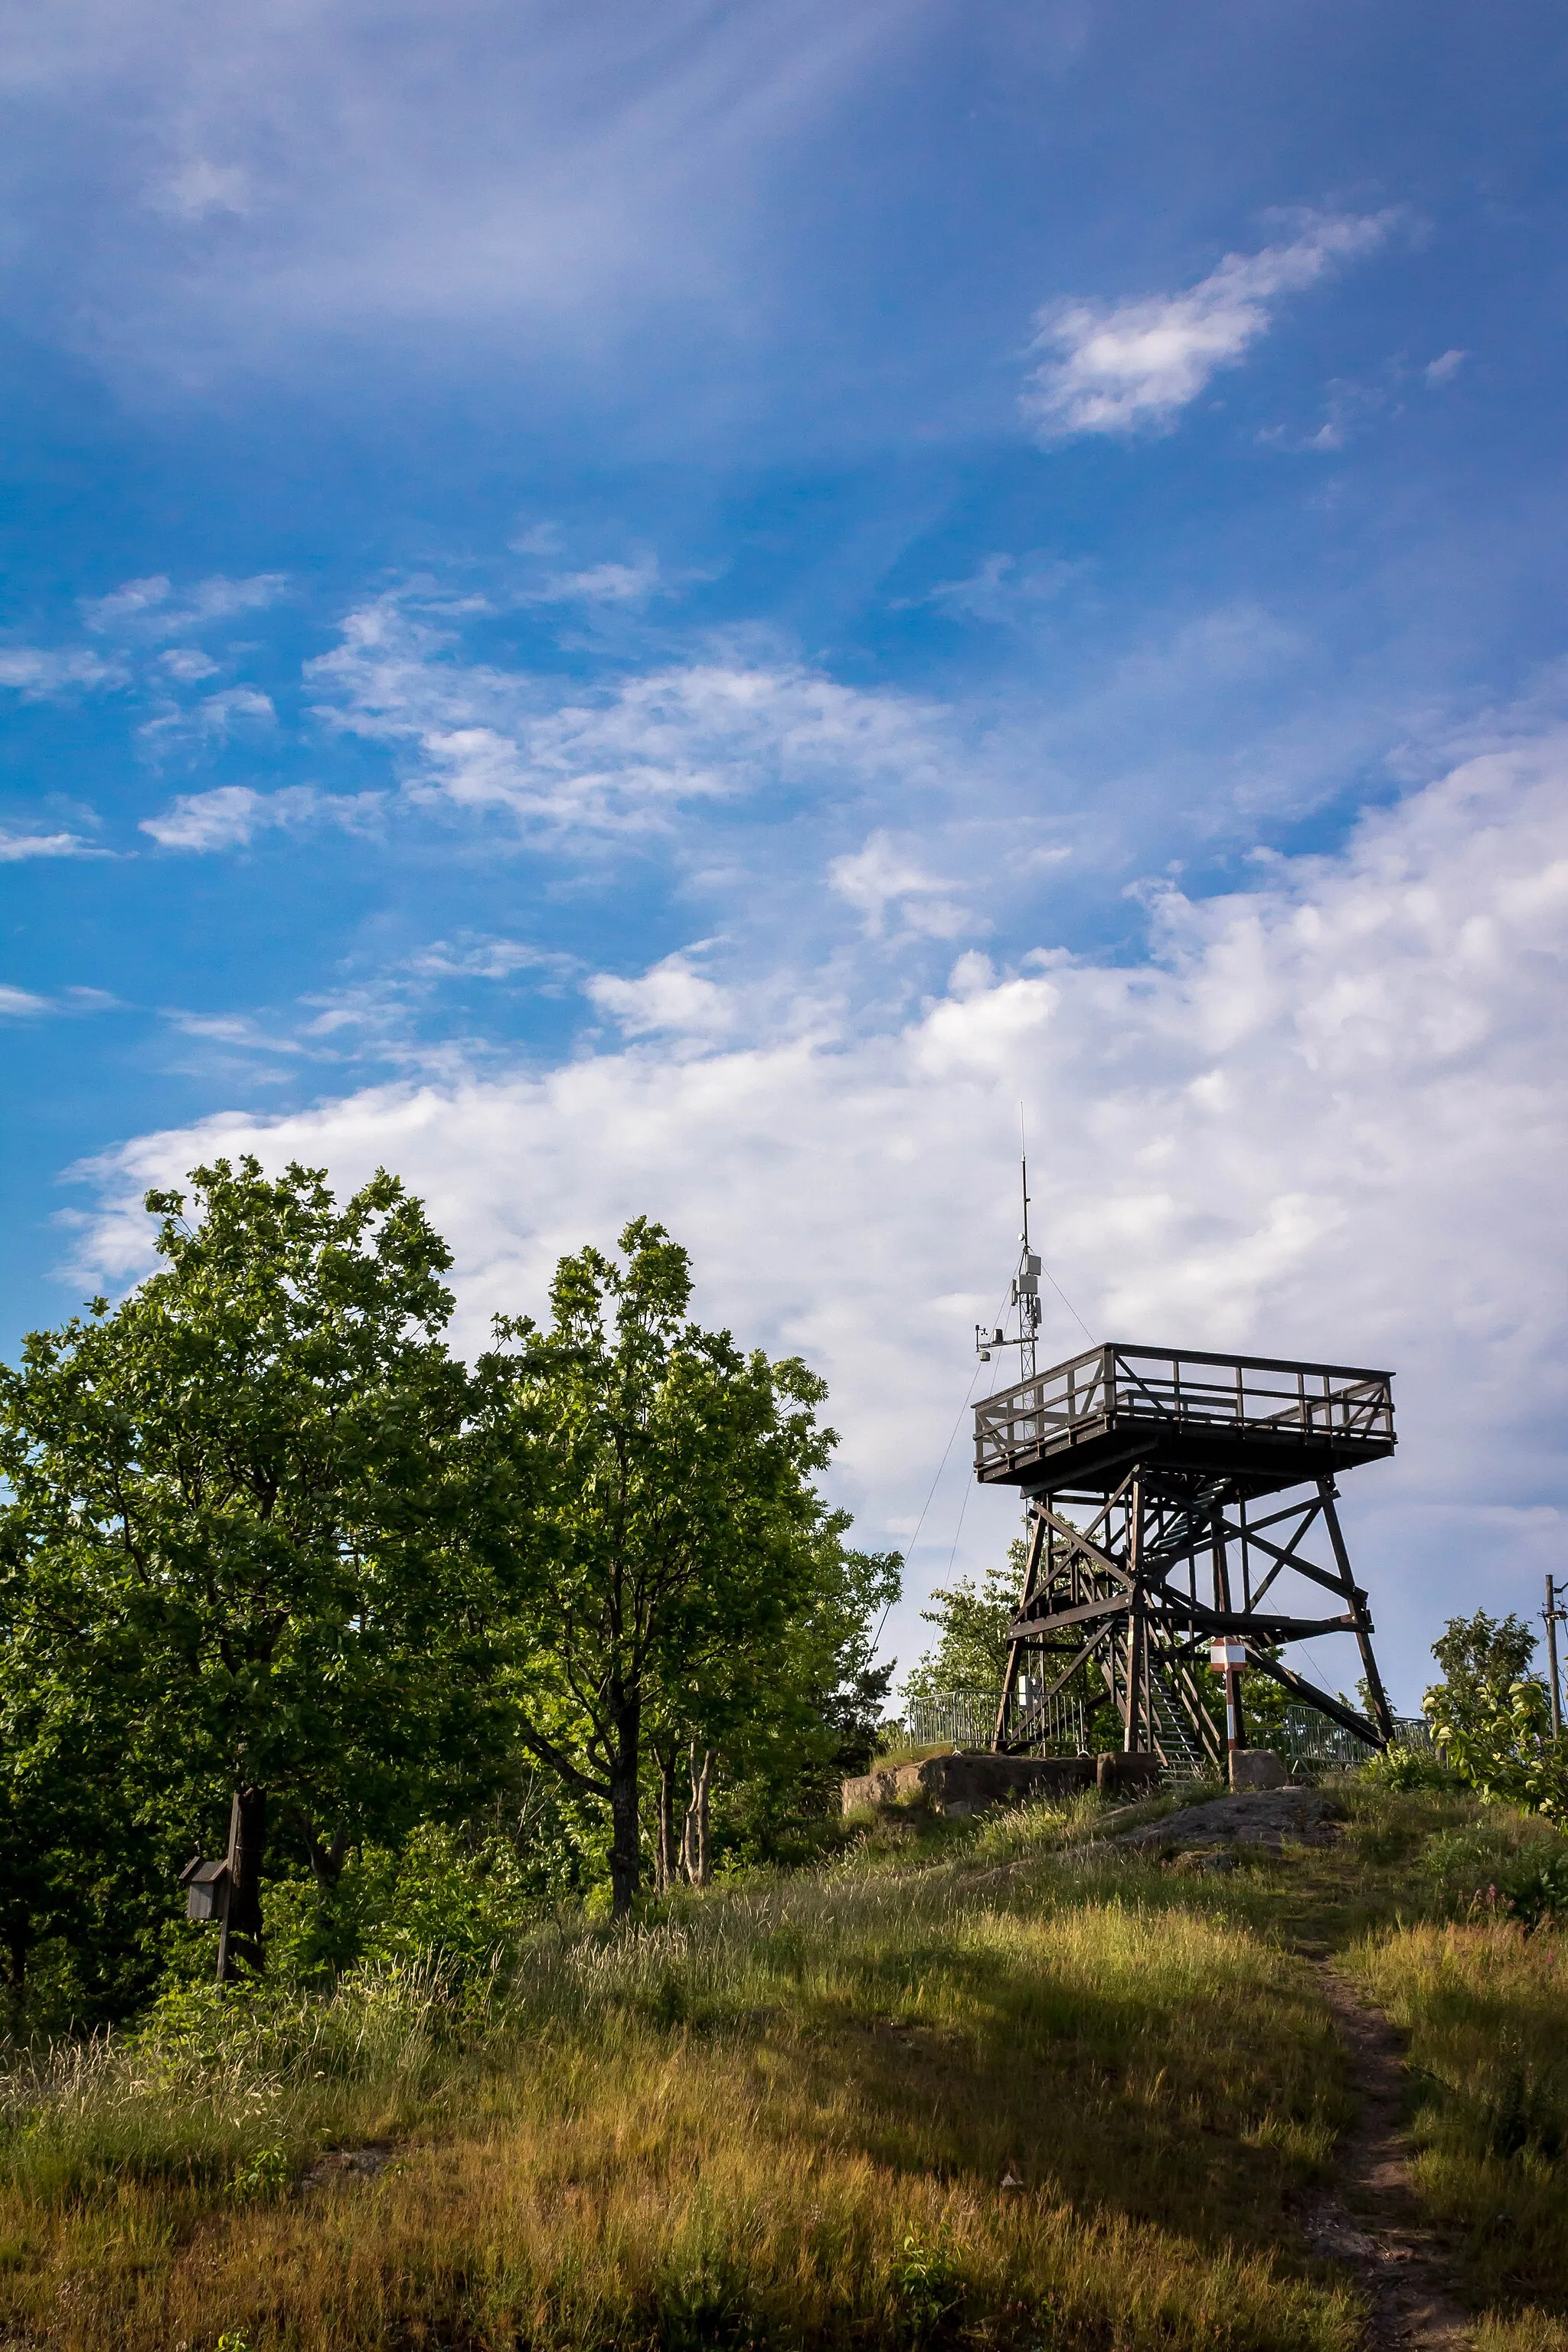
{"points": [[1409, 1768], [1502, 1864]]}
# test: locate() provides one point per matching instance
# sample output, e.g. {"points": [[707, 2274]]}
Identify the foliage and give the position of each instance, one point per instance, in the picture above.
{"points": [[1492, 1721], [234, 1553], [1407, 1768], [1505, 1864], [814, 1713], [675, 1538], [1480, 1655], [973, 1620]]}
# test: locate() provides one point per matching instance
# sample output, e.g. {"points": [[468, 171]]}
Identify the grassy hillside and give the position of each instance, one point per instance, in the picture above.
{"points": [[966, 2086]]}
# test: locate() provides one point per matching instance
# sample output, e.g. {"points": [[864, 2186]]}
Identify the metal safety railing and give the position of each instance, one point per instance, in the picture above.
{"points": [[967, 1718], [1111, 1386], [1311, 1737]]}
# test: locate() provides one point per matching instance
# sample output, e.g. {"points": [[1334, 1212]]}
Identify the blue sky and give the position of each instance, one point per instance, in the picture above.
{"points": [[682, 606]]}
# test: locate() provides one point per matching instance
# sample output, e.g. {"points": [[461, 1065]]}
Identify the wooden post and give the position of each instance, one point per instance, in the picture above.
{"points": [[1552, 1613], [1038, 1535], [225, 1897], [239, 1932], [1234, 1729], [1135, 1736]]}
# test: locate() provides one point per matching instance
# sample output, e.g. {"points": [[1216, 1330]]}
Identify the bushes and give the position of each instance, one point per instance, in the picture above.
{"points": [[1409, 1768], [1502, 1865]]}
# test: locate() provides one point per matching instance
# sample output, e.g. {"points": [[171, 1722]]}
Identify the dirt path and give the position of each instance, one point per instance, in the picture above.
{"points": [[1370, 2220]]}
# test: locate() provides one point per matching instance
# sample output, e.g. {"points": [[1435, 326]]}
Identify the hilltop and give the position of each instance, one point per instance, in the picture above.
{"points": [[1019, 2083]]}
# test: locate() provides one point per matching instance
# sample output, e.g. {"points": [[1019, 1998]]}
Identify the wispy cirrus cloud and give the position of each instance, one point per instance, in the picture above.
{"points": [[880, 876], [299, 174], [602, 583], [211, 720], [22, 1004], [153, 608], [1000, 589], [16, 846], [1131, 367], [40, 672], [619, 756], [231, 816]]}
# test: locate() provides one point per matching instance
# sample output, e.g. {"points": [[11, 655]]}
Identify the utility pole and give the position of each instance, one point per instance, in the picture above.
{"points": [[1553, 1612]]}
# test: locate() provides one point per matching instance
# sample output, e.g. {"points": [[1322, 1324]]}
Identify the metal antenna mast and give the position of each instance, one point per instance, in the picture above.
{"points": [[1026, 1292], [1027, 1282]]}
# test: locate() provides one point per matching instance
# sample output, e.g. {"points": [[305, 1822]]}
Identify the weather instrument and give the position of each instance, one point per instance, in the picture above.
{"points": [[991, 1339]]}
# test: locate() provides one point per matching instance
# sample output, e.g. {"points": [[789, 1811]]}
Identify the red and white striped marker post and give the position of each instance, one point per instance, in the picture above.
{"points": [[1229, 1659]]}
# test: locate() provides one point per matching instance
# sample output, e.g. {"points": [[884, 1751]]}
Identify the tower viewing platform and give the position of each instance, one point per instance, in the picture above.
{"points": [[1259, 1422]]}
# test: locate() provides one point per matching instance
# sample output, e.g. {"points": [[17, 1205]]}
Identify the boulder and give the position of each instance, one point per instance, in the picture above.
{"points": [[1257, 1767], [1128, 1776], [960, 1785]]}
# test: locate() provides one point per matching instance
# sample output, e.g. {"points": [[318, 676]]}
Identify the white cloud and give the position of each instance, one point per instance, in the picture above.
{"points": [[20, 1003], [152, 608], [201, 188], [37, 673], [483, 959], [601, 584], [532, 165], [879, 875], [1129, 367], [1330, 1116], [188, 663], [15, 846], [1001, 587], [213, 720], [230, 816], [236, 1030], [1444, 370], [672, 997], [618, 757]]}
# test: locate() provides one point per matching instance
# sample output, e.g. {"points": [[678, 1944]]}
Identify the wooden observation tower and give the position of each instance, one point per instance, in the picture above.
{"points": [[1180, 1517]]}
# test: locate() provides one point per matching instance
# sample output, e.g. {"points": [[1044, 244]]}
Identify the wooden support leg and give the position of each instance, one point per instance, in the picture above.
{"points": [[1377, 1696]]}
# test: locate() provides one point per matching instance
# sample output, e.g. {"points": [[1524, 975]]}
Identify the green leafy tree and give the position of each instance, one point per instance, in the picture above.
{"points": [[972, 1621], [1480, 1657], [1491, 1717], [678, 1515], [784, 1721], [236, 1537]]}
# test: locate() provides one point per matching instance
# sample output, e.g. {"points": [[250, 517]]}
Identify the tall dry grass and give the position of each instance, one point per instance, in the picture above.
{"points": [[1485, 2005], [854, 2108]]}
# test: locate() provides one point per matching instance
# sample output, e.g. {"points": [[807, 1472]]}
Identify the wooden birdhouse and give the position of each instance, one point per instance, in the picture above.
{"points": [[207, 1889]]}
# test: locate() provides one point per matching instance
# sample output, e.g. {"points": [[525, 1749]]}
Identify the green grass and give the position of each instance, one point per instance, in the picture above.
{"points": [[974, 2085]]}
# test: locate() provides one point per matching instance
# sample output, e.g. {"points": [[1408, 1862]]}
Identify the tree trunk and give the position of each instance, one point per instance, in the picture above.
{"points": [[626, 1798], [704, 1853], [625, 1841], [665, 1866], [327, 1860], [694, 1854]]}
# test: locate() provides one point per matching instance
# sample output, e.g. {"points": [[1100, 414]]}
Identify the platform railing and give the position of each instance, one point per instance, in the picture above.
{"points": [[1111, 1386]]}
